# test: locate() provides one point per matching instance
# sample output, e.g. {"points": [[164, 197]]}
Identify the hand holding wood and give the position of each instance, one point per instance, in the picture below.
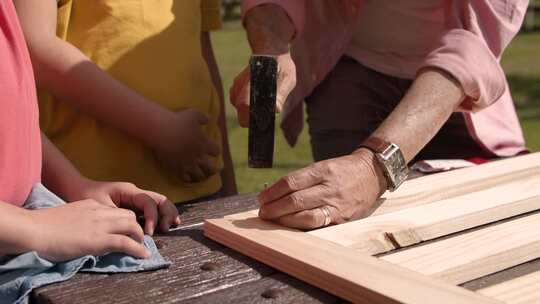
{"points": [[348, 186]]}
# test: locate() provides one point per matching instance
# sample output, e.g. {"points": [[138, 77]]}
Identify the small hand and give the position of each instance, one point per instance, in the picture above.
{"points": [[185, 149], [348, 186], [86, 227], [125, 195], [240, 90]]}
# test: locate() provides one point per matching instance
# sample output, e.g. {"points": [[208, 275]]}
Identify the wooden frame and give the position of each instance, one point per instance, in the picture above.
{"points": [[341, 266]]}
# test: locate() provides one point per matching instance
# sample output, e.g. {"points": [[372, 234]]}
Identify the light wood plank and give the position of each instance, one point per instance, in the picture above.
{"points": [[379, 234], [475, 254], [522, 290], [432, 188], [339, 270]]}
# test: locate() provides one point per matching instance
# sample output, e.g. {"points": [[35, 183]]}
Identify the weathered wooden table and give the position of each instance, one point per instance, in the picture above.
{"points": [[206, 272]]}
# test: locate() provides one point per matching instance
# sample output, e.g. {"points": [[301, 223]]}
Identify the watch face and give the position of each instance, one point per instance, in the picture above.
{"points": [[395, 166]]}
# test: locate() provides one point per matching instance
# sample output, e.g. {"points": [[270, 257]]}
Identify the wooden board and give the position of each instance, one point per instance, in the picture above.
{"points": [[379, 234], [339, 270], [523, 290], [432, 188], [475, 254], [425, 208]]}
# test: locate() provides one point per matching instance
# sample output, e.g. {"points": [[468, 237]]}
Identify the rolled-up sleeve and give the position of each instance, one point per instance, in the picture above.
{"points": [[470, 49], [295, 9]]}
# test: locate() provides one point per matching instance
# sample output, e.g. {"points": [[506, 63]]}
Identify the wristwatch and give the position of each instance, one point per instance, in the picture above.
{"points": [[390, 159]]}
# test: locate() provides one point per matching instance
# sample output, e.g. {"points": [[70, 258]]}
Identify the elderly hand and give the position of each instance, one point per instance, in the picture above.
{"points": [[240, 90], [348, 186]]}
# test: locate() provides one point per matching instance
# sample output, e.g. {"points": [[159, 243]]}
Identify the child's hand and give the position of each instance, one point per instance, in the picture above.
{"points": [[125, 195], [184, 149], [86, 227]]}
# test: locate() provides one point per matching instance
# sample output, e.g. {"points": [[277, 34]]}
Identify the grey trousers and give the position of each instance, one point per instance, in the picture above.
{"points": [[353, 101]]}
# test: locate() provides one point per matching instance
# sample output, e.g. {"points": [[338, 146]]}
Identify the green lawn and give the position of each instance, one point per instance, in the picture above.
{"points": [[521, 62]]}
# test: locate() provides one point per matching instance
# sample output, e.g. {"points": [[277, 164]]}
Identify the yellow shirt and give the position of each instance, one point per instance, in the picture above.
{"points": [[152, 46]]}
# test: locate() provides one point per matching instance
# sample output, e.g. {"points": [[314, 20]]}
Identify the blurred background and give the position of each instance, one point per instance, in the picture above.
{"points": [[521, 63]]}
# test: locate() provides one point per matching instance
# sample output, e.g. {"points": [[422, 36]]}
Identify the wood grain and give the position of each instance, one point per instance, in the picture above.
{"points": [[278, 288], [436, 187], [339, 270], [180, 248], [477, 253], [189, 250], [523, 290], [379, 234], [193, 214], [503, 276]]}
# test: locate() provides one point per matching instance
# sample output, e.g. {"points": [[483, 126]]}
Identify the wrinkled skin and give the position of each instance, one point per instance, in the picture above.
{"points": [[348, 186]]}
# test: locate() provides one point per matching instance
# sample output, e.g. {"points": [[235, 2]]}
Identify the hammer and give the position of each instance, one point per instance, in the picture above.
{"points": [[262, 111]]}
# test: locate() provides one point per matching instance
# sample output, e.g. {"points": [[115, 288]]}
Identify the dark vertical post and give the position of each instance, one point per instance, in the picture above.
{"points": [[262, 111]]}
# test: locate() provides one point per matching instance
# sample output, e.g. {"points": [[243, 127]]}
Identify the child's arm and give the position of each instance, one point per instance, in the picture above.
{"points": [[63, 178], [227, 175], [70, 231], [69, 75]]}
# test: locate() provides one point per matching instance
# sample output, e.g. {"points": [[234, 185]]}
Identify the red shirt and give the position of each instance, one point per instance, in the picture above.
{"points": [[20, 141]]}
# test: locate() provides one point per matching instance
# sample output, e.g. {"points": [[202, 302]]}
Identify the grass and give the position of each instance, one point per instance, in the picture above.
{"points": [[521, 63], [232, 53]]}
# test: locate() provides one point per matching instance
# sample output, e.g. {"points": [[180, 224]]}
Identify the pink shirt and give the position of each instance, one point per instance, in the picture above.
{"points": [[464, 38], [20, 141]]}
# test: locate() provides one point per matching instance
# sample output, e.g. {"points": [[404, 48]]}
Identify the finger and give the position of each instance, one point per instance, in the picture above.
{"points": [[240, 82], [117, 214], [196, 174], [294, 202], [306, 219], [149, 207], [186, 177], [201, 118], [157, 197], [286, 85], [169, 216], [243, 115], [212, 148], [124, 244], [293, 182], [127, 227], [242, 105], [107, 201], [207, 165]]}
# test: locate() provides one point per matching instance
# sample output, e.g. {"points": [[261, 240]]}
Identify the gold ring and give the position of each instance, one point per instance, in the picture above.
{"points": [[326, 213]]}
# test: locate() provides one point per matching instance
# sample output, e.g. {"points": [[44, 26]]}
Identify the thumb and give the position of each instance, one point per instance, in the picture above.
{"points": [[285, 86], [239, 88], [201, 118], [212, 148]]}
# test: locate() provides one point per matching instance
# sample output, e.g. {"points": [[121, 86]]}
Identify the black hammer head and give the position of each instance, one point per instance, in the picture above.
{"points": [[262, 111]]}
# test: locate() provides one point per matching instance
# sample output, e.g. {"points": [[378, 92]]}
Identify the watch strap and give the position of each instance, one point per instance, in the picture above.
{"points": [[375, 144]]}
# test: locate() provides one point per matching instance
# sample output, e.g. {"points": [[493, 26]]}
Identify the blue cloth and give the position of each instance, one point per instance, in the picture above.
{"points": [[19, 275]]}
